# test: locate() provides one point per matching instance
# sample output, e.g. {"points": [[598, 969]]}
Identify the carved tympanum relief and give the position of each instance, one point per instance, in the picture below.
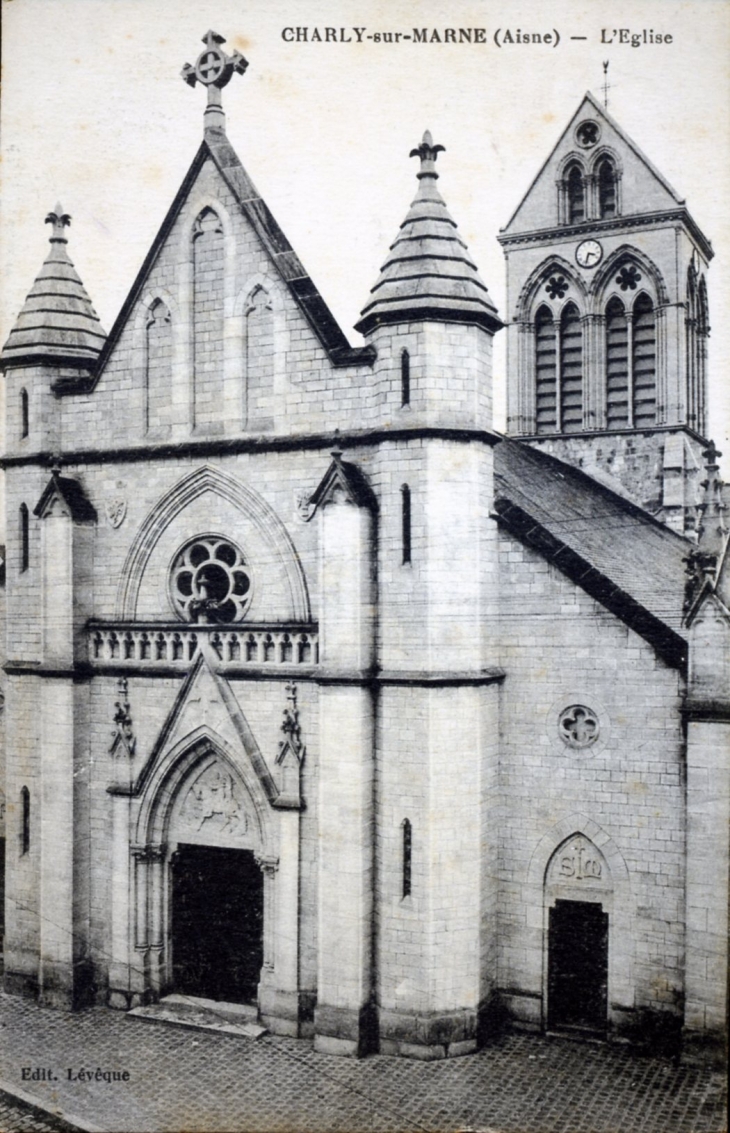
{"points": [[213, 805]]}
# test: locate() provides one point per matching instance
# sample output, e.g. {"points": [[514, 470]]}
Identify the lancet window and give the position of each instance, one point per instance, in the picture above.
{"points": [[208, 297], [259, 336], [158, 354]]}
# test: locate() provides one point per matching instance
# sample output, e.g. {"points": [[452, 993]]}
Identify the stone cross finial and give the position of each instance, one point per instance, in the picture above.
{"points": [[60, 220], [214, 69], [428, 153], [711, 455]]}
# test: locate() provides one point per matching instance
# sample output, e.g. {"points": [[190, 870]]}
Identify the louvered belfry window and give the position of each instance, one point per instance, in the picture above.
{"points": [[576, 196], [606, 189], [644, 363], [545, 372], [571, 370], [617, 366]]}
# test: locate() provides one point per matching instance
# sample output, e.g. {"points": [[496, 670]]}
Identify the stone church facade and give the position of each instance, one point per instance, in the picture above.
{"points": [[324, 697]]}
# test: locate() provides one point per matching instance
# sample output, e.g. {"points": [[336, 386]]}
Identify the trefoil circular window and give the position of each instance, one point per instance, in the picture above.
{"points": [[210, 581], [587, 134], [578, 726]]}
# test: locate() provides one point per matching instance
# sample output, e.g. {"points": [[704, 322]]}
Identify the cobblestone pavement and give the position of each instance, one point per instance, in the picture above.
{"points": [[193, 1081], [16, 1116]]}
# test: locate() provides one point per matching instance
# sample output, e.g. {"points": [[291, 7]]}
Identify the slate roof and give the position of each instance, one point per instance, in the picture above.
{"points": [[428, 272], [57, 322], [619, 554], [73, 495]]}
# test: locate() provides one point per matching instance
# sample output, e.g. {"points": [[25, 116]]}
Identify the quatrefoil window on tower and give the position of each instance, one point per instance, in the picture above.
{"points": [[578, 726], [628, 277], [587, 134], [556, 286]]}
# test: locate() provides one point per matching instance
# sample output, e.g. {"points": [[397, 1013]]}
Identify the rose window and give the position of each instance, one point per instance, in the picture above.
{"points": [[210, 581], [578, 726]]}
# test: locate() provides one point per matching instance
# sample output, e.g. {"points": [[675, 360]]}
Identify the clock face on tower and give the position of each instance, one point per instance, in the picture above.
{"points": [[589, 253]]}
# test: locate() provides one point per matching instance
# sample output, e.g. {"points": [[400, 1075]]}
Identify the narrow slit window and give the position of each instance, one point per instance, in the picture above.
{"points": [[405, 378], [407, 856], [24, 538], [406, 522], [24, 820], [24, 420]]}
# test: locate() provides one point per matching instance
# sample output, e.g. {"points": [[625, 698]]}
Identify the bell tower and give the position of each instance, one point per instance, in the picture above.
{"points": [[607, 301]]}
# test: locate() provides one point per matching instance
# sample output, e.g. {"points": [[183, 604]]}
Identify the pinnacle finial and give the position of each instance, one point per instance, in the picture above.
{"points": [[60, 220], [428, 153], [214, 69], [712, 525]]}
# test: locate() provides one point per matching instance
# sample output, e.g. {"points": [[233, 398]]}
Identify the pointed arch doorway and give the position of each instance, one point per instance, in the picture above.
{"points": [[578, 906], [203, 919], [217, 923], [577, 966]]}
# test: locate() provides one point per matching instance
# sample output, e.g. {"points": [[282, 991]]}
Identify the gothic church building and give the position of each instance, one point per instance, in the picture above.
{"points": [[325, 698]]}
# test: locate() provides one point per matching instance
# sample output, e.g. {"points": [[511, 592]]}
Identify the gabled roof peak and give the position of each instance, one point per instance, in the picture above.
{"points": [[429, 274], [57, 323]]}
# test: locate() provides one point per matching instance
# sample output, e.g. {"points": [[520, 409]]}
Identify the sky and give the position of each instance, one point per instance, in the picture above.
{"points": [[95, 114]]}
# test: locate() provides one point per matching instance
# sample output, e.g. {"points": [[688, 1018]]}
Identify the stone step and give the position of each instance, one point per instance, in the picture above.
{"points": [[202, 1015]]}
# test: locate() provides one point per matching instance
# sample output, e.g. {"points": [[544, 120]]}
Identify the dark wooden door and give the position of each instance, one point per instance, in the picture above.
{"points": [[577, 967], [217, 923]]}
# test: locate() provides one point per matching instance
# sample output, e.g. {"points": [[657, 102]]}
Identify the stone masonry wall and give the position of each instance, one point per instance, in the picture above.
{"points": [[562, 648]]}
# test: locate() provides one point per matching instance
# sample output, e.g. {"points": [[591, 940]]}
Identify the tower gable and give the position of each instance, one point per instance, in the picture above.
{"points": [[607, 295], [642, 187]]}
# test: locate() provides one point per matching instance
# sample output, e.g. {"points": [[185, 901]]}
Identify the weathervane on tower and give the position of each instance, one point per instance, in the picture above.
{"points": [[214, 69]]}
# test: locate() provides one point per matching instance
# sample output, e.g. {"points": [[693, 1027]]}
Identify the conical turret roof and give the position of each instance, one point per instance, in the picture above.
{"points": [[58, 320], [429, 273]]}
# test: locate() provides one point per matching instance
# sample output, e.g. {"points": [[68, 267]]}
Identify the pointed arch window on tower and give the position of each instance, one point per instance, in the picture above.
{"points": [[643, 358], [607, 196], [691, 349], [617, 365], [545, 372], [571, 370], [703, 331], [576, 195]]}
